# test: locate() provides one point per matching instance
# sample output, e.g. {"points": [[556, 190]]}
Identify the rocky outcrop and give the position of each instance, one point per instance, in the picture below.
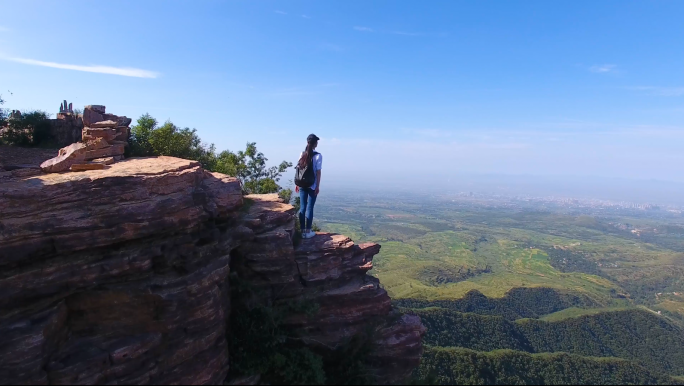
{"points": [[121, 275], [117, 275], [103, 135], [329, 271], [66, 129]]}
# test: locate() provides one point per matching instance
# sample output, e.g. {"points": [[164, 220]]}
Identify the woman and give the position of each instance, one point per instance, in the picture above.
{"points": [[307, 196]]}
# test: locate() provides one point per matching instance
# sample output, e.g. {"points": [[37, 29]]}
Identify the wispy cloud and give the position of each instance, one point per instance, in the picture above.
{"points": [[280, 12], [661, 91], [122, 71], [603, 68], [363, 29], [306, 16], [4, 29]]}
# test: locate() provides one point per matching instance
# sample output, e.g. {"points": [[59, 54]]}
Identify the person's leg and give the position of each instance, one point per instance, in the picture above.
{"points": [[303, 200], [310, 210]]}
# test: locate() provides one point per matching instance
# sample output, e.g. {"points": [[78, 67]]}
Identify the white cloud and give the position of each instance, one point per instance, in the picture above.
{"points": [[122, 71], [280, 12], [603, 68], [662, 91], [306, 17], [363, 29]]}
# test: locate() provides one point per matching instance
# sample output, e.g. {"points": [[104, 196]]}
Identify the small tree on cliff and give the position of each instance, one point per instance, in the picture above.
{"points": [[250, 167], [149, 139]]}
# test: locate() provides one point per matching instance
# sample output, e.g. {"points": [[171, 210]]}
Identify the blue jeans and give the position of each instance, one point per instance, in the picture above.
{"points": [[307, 199]]}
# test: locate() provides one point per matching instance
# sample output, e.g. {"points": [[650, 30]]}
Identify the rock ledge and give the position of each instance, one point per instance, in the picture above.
{"points": [[121, 276]]}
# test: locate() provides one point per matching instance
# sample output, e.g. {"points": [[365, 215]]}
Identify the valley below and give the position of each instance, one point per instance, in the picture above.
{"points": [[524, 294]]}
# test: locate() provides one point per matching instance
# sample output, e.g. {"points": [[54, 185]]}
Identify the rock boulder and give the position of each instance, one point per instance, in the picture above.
{"points": [[68, 156]]}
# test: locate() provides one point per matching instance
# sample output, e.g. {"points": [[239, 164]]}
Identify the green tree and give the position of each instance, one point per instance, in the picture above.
{"points": [[250, 167], [32, 129], [140, 136], [147, 139], [150, 139]]}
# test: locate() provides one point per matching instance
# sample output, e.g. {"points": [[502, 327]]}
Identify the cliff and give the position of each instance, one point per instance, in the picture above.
{"points": [[123, 275]]}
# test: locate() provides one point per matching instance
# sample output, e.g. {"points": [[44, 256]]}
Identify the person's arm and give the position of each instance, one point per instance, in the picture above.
{"points": [[318, 182], [319, 166], [297, 187]]}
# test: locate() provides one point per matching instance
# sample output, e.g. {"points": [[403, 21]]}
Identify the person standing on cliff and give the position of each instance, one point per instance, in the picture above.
{"points": [[308, 170]]}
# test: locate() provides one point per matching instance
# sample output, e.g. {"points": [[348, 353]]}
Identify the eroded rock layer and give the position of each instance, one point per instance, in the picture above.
{"points": [[121, 276], [117, 275], [329, 271]]}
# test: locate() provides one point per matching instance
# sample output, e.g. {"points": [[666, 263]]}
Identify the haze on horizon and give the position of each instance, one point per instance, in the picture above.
{"points": [[400, 92]]}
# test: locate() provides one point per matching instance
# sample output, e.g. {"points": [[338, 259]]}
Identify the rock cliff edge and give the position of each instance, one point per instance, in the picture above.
{"points": [[123, 276]]}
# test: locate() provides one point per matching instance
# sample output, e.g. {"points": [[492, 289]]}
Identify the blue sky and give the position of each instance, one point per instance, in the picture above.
{"points": [[548, 88]]}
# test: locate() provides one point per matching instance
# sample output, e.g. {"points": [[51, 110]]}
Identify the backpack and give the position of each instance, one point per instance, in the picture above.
{"points": [[306, 176]]}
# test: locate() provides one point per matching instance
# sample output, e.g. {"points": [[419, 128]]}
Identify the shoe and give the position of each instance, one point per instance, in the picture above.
{"points": [[311, 235]]}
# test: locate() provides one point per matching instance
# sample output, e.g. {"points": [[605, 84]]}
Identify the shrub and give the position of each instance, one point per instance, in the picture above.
{"points": [[286, 195], [148, 139], [250, 167], [32, 129], [140, 136], [261, 344]]}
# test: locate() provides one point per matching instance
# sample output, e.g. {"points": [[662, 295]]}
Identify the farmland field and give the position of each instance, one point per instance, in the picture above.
{"points": [[572, 270]]}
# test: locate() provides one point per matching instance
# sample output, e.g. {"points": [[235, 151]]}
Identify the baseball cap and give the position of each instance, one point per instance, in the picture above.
{"points": [[312, 138]]}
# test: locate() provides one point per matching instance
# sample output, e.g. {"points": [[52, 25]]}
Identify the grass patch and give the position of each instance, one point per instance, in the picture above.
{"points": [[575, 312], [408, 270]]}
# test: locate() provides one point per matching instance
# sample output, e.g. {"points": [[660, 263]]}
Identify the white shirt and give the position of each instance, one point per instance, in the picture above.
{"points": [[318, 165]]}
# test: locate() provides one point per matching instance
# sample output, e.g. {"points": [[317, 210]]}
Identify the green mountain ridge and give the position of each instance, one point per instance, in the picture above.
{"points": [[634, 335], [459, 366], [516, 304]]}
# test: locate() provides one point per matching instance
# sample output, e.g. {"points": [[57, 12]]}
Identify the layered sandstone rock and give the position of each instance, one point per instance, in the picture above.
{"points": [[117, 275], [66, 129], [121, 275], [329, 271], [68, 156], [103, 135]]}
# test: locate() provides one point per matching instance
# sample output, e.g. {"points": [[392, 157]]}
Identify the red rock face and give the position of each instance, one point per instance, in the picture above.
{"points": [[121, 276], [330, 271], [117, 275]]}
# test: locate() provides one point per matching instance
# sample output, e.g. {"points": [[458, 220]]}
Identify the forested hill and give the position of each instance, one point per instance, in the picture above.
{"points": [[644, 340], [518, 303], [488, 274], [457, 366]]}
